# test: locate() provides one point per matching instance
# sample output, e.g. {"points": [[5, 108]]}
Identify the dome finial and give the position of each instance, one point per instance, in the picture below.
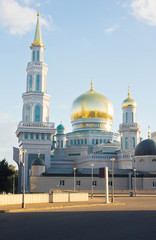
{"points": [[129, 89], [91, 90], [149, 132], [39, 154]]}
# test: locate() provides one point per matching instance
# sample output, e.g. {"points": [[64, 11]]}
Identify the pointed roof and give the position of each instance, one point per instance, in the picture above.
{"points": [[38, 38]]}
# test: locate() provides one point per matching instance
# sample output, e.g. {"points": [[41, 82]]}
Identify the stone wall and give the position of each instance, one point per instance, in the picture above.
{"points": [[10, 199]]}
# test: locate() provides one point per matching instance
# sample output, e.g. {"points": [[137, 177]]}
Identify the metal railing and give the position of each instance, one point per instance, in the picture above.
{"points": [[36, 124]]}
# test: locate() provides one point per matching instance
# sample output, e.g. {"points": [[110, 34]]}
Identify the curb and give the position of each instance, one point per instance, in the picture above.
{"points": [[59, 207]]}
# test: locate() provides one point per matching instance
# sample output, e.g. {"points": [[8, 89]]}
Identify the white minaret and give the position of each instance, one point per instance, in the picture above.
{"points": [[35, 131], [129, 131]]}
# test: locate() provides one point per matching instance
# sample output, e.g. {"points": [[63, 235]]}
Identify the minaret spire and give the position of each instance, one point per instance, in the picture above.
{"points": [[38, 38], [91, 90], [129, 90], [149, 132]]}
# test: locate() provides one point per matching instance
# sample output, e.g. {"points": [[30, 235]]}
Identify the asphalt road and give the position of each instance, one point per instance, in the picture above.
{"points": [[93, 223]]}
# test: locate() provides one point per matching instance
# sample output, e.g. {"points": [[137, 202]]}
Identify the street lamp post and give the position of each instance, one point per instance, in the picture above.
{"points": [[23, 165], [13, 183], [112, 160], [92, 165], [74, 178], [134, 182]]}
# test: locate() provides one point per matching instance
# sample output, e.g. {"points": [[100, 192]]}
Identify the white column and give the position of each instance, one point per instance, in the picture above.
{"points": [[106, 186]]}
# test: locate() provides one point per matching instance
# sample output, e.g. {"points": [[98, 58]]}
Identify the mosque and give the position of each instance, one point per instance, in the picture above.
{"points": [[54, 154]]}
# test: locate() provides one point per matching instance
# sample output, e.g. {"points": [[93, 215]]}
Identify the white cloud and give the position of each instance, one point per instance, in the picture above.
{"points": [[5, 116], [144, 10], [18, 18], [111, 29]]}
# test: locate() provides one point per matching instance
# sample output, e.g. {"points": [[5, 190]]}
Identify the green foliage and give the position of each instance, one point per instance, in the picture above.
{"points": [[7, 173]]}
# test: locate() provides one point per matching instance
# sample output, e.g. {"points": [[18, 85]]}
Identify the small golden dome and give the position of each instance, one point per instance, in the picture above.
{"points": [[92, 105], [129, 102]]}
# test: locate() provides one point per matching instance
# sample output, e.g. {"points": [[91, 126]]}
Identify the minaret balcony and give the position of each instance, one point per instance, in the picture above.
{"points": [[37, 124], [37, 64], [129, 126]]}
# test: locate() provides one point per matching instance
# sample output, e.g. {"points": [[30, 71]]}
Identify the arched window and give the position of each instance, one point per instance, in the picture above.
{"points": [[132, 117], [27, 115], [78, 141], [93, 141], [38, 55], [74, 141], [38, 83], [30, 83], [61, 143], [133, 142], [37, 113], [126, 117], [96, 141], [33, 55], [71, 142], [81, 141], [126, 142], [100, 140], [85, 141]]}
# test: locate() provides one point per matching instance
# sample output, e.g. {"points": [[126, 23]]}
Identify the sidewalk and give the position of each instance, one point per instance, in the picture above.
{"points": [[97, 201]]}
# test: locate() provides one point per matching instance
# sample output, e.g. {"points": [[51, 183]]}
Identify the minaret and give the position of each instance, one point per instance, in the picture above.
{"points": [[129, 131], [35, 131]]}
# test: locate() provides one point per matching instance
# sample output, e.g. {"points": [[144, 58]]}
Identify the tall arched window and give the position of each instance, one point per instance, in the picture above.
{"points": [[37, 113], [61, 143], [93, 141], [30, 83], [133, 142], [38, 55], [126, 117], [27, 115], [38, 83], [126, 142], [33, 56]]}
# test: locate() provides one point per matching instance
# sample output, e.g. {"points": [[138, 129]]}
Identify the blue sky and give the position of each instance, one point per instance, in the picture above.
{"points": [[112, 40]]}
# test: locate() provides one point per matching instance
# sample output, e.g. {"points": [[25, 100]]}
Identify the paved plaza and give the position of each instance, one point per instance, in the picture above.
{"points": [[128, 218]]}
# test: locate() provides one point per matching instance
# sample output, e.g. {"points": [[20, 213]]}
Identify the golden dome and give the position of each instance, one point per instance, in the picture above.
{"points": [[92, 105], [129, 102]]}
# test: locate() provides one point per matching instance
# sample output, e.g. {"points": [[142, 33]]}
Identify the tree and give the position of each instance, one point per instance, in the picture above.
{"points": [[6, 172], [14, 179]]}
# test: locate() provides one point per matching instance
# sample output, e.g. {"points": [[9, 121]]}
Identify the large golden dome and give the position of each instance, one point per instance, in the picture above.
{"points": [[92, 105]]}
